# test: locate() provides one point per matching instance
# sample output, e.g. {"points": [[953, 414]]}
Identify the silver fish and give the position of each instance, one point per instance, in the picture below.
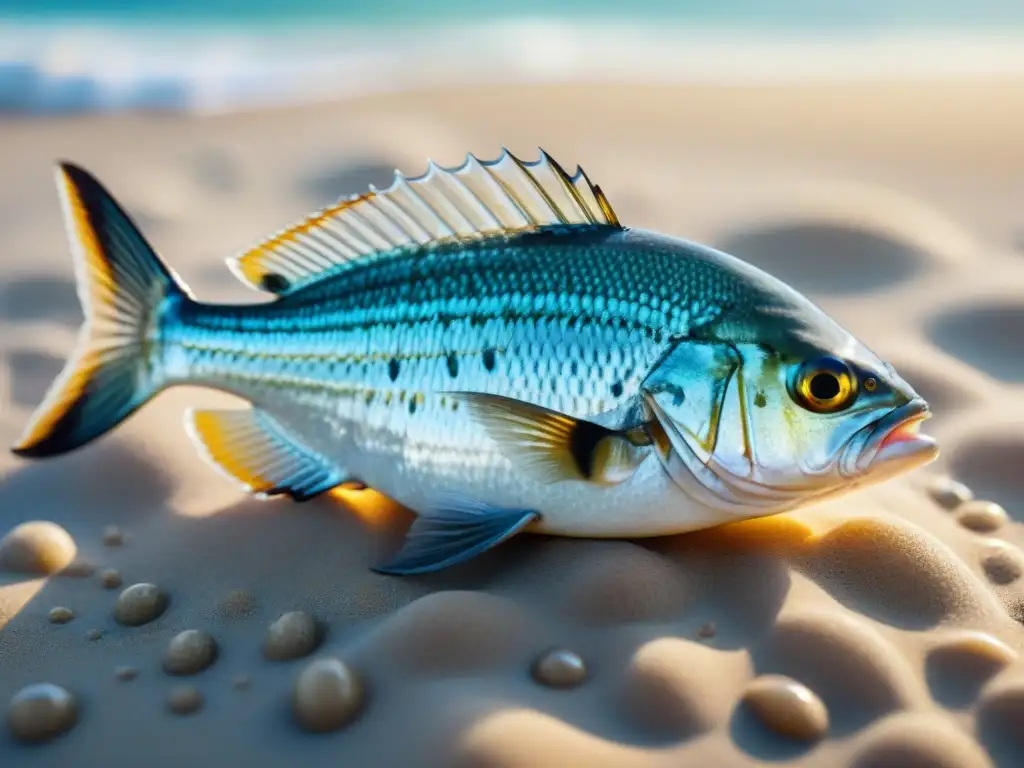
{"points": [[489, 346]]}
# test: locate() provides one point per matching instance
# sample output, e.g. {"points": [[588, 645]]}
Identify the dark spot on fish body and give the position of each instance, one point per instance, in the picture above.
{"points": [[393, 369], [490, 359], [453, 365], [760, 400], [412, 405], [617, 389], [574, 368], [678, 395], [274, 283]]}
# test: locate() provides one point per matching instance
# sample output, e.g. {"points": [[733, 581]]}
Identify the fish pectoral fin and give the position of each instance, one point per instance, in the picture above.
{"points": [[453, 531], [551, 446], [250, 447]]}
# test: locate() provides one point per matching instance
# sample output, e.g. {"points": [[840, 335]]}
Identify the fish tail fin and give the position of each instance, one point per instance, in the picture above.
{"points": [[122, 286]]}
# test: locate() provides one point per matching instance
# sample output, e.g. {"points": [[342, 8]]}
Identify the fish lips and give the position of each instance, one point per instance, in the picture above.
{"points": [[893, 444]]}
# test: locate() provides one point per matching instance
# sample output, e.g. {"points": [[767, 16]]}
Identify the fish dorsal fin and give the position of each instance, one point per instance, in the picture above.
{"points": [[475, 200]]}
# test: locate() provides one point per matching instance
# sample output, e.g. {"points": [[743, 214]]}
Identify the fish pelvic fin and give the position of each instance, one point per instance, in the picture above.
{"points": [[122, 287], [253, 449], [453, 531], [551, 446], [478, 199]]}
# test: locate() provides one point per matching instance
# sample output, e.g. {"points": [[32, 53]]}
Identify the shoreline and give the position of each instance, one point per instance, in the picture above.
{"points": [[86, 68]]}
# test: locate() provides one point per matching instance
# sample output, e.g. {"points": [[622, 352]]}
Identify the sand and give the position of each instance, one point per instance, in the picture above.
{"points": [[881, 629]]}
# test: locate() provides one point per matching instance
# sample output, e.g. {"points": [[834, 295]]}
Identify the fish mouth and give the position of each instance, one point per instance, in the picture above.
{"points": [[895, 443]]}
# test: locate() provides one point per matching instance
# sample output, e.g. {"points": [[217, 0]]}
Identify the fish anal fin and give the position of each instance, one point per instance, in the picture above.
{"points": [[453, 531], [250, 447], [477, 199], [551, 446]]}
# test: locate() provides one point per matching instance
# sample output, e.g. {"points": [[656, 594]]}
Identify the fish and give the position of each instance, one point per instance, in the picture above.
{"points": [[489, 346]]}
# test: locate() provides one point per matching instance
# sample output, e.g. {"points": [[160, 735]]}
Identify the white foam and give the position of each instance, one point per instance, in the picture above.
{"points": [[74, 68]]}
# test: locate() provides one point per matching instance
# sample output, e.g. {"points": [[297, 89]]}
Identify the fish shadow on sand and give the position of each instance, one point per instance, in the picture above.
{"points": [[40, 298], [826, 258]]}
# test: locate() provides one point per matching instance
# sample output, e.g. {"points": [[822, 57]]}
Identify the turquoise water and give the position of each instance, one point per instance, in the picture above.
{"points": [[217, 55], [759, 14]]}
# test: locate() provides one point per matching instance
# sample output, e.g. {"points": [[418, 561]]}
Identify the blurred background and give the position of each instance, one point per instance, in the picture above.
{"points": [[59, 55]]}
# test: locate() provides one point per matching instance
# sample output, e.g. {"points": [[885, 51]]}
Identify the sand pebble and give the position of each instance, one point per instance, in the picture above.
{"points": [[293, 635], [787, 707], [41, 711], [38, 547], [184, 700], [981, 516], [140, 604], [93, 635], [113, 536], [327, 695], [948, 493], [61, 615], [1002, 563], [189, 652], [126, 674], [559, 668], [110, 578]]}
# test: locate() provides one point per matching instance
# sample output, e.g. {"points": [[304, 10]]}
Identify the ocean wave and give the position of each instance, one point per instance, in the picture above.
{"points": [[92, 69]]}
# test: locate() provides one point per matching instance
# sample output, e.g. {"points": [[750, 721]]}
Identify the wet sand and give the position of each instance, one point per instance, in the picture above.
{"points": [[881, 629]]}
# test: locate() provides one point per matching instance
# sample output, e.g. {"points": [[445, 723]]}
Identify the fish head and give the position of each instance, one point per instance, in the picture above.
{"points": [[753, 428]]}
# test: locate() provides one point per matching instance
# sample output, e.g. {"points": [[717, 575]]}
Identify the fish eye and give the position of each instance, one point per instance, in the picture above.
{"points": [[825, 385]]}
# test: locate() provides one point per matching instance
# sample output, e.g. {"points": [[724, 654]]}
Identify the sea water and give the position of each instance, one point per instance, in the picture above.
{"points": [[214, 55]]}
